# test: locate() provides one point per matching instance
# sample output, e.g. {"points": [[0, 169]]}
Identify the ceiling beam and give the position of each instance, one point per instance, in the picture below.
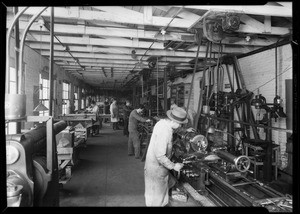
{"points": [[117, 42], [198, 20], [263, 10], [115, 56], [111, 14], [103, 31], [148, 18], [249, 21], [242, 29], [103, 63], [267, 24], [72, 13], [121, 50]]}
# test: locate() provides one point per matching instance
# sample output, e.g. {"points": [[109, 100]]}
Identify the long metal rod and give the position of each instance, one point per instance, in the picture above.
{"points": [[22, 47], [7, 78], [157, 88], [51, 62], [194, 71], [202, 88], [17, 55], [17, 48], [250, 124], [165, 90], [276, 70]]}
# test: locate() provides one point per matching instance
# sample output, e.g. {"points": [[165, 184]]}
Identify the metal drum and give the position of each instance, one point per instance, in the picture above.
{"points": [[15, 106]]}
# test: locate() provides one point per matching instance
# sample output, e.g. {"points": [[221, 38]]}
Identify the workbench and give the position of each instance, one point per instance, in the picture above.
{"points": [[68, 149], [82, 123]]}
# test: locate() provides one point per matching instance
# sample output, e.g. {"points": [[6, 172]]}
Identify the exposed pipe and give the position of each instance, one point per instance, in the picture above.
{"points": [[157, 100], [194, 71], [165, 90], [8, 47], [284, 41], [22, 48], [51, 62], [202, 87], [250, 124], [17, 55], [17, 47]]}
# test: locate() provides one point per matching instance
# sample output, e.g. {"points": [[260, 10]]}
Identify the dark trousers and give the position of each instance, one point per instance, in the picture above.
{"points": [[115, 125], [125, 130], [134, 145], [96, 126]]}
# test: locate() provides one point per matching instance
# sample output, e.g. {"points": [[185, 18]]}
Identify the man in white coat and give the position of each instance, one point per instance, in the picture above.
{"points": [[114, 114], [158, 163]]}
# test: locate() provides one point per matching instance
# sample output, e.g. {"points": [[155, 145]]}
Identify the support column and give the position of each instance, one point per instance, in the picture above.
{"points": [[51, 61], [165, 91]]}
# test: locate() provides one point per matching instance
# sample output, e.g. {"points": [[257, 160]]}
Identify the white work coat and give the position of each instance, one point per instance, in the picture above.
{"points": [[158, 164], [114, 112]]}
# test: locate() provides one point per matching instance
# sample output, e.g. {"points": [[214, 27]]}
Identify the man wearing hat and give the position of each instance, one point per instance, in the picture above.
{"points": [[158, 163]]}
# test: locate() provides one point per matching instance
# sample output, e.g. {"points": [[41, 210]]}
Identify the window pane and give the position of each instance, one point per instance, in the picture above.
{"points": [[12, 128], [40, 94], [46, 103], [45, 94], [45, 83], [13, 87], [82, 103], [12, 74]]}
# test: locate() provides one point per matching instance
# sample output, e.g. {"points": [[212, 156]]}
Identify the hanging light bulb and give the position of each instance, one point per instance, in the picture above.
{"points": [[277, 100]]}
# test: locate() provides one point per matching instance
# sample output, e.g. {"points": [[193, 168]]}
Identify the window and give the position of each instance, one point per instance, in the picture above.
{"points": [[11, 127], [12, 81], [65, 98], [44, 95], [82, 99], [75, 98]]}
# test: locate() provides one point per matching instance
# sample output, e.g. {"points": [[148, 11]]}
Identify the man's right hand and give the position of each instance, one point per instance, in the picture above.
{"points": [[178, 166]]}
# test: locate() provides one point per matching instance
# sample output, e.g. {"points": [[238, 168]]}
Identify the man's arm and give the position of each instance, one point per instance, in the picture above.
{"points": [[138, 117]]}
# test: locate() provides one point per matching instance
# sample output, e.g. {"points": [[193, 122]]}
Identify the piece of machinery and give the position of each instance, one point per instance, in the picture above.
{"points": [[69, 144], [32, 177], [82, 123], [219, 175]]}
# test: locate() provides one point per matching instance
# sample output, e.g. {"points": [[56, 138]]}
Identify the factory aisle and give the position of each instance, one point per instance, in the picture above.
{"points": [[105, 175]]}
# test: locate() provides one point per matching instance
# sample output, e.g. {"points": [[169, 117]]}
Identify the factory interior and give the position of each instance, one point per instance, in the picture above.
{"points": [[229, 68]]}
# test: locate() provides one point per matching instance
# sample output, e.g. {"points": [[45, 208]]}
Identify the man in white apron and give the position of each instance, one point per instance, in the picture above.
{"points": [[158, 163]]}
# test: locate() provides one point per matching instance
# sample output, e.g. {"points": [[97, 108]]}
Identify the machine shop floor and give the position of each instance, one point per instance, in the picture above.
{"points": [[106, 177]]}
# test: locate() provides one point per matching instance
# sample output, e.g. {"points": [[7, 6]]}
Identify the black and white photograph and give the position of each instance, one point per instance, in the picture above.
{"points": [[164, 105]]}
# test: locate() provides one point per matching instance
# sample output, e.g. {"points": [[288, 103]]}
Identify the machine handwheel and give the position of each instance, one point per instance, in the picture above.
{"points": [[242, 163]]}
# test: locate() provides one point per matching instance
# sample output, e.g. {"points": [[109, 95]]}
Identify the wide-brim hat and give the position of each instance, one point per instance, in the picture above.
{"points": [[178, 115]]}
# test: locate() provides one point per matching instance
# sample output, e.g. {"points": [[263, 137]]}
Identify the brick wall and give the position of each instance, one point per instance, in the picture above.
{"points": [[258, 71]]}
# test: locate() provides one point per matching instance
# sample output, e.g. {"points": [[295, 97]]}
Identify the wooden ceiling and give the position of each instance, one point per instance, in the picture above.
{"points": [[95, 43]]}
